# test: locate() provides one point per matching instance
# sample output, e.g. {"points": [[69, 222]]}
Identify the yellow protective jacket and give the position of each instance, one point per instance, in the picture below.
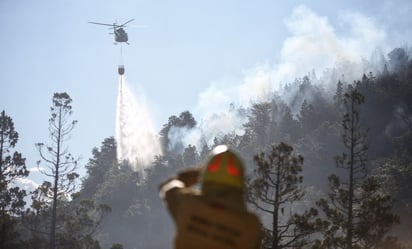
{"points": [[204, 224]]}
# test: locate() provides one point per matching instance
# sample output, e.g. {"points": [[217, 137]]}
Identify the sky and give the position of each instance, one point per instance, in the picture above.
{"points": [[190, 55]]}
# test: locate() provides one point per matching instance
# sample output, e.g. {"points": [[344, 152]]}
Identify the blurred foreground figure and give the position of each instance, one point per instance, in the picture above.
{"points": [[216, 216]]}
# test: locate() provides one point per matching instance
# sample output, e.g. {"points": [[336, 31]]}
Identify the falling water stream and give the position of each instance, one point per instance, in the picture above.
{"points": [[137, 142]]}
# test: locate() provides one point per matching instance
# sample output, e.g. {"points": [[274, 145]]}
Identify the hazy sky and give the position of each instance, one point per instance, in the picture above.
{"points": [[193, 55]]}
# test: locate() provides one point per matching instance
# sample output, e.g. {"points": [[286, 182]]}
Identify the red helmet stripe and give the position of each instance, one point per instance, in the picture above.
{"points": [[215, 164], [231, 167]]}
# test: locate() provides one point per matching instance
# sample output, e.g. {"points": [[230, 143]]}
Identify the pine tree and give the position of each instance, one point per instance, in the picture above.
{"points": [[185, 119], [260, 126], [61, 165], [358, 214], [338, 97], [307, 117], [12, 166], [102, 161], [190, 156], [276, 187]]}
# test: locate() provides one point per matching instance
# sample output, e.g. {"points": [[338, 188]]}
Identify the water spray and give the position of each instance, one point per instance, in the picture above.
{"points": [[137, 144]]}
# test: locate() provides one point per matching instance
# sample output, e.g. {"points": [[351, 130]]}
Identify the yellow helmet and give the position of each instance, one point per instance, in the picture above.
{"points": [[224, 167]]}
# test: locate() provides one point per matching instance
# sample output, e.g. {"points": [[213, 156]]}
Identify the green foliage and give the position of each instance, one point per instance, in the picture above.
{"points": [[116, 186], [375, 214], [286, 122], [261, 124], [99, 166], [12, 166], [80, 223], [306, 116]]}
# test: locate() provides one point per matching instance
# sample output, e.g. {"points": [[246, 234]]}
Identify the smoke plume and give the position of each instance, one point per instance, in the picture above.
{"points": [[343, 51]]}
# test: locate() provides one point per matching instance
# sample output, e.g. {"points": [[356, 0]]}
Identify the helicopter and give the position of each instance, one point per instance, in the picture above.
{"points": [[119, 33]]}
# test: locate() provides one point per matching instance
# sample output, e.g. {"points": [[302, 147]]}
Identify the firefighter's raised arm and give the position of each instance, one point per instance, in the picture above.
{"points": [[215, 214], [183, 179]]}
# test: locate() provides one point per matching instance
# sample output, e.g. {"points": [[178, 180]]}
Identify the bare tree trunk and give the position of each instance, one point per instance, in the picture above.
{"points": [[349, 234], [54, 216], [55, 187], [276, 212]]}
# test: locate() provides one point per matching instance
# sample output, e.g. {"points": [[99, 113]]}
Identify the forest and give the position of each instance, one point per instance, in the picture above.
{"points": [[345, 173]]}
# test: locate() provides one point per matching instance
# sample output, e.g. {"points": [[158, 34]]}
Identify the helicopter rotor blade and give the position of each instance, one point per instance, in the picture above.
{"points": [[125, 23], [105, 24]]}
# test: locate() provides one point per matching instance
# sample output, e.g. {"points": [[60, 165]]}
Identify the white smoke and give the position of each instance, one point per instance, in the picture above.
{"points": [[26, 184], [135, 134], [216, 125], [314, 45]]}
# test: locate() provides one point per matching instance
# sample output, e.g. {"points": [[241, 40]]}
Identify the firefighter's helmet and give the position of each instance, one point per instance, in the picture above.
{"points": [[224, 167]]}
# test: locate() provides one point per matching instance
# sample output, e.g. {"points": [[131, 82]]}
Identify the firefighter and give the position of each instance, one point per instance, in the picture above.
{"points": [[214, 216]]}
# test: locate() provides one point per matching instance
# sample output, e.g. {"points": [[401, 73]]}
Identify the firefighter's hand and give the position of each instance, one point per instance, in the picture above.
{"points": [[189, 176]]}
